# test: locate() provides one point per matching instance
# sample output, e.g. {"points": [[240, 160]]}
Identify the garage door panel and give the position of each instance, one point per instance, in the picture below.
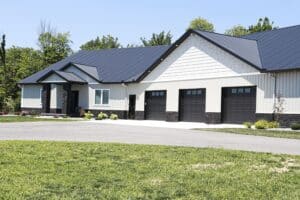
{"points": [[155, 105], [238, 104], [192, 105]]}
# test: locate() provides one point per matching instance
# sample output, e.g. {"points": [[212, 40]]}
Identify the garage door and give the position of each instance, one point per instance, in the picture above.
{"points": [[238, 104], [192, 105], [155, 105]]}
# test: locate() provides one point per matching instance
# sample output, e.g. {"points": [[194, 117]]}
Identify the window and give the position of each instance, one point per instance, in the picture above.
{"points": [[102, 97]]}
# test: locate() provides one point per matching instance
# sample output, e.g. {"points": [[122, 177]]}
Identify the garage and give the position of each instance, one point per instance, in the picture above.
{"points": [[238, 104], [155, 105], [192, 105]]}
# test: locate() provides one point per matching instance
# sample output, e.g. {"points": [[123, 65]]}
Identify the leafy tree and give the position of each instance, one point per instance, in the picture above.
{"points": [[106, 42], [158, 39], [262, 25], [54, 46], [201, 24], [237, 30]]}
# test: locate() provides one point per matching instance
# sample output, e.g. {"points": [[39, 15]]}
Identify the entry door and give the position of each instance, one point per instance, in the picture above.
{"points": [[238, 104], [74, 102], [155, 105], [131, 111]]}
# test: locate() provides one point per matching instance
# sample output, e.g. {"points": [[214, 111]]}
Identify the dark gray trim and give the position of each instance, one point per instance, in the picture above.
{"points": [[55, 110], [213, 117], [172, 116], [54, 72], [139, 115], [32, 111]]}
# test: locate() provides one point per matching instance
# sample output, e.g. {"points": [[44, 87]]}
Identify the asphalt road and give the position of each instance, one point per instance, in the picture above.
{"points": [[94, 132]]}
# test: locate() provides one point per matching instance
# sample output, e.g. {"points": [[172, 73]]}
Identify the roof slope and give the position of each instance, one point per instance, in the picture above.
{"points": [[111, 65], [279, 49], [244, 48], [71, 77]]}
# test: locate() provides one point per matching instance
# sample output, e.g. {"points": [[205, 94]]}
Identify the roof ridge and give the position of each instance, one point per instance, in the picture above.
{"points": [[122, 48], [222, 34]]}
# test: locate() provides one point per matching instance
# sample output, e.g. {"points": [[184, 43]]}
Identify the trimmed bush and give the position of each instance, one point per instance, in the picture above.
{"points": [[102, 115], [113, 117], [273, 124], [295, 126], [88, 115], [261, 124], [247, 124]]}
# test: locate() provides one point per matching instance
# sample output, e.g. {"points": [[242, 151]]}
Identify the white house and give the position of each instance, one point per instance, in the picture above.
{"points": [[203, 76]]}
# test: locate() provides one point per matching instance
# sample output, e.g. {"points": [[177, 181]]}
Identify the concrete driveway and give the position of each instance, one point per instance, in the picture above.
{"points": [[97, 132]]}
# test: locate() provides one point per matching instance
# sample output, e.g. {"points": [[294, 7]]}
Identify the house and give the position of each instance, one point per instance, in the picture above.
{"points": [[202, 77]]}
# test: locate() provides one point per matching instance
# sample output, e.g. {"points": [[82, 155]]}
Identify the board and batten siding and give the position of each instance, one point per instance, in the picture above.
{"points": [[31, 96], [197, 58]]}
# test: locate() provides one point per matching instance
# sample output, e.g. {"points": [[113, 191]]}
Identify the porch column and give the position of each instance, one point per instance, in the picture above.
{"points": [[46, 98], [66, 98]]}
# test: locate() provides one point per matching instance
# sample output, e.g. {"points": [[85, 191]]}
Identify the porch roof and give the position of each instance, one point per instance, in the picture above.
{"points": [[61, 77]]}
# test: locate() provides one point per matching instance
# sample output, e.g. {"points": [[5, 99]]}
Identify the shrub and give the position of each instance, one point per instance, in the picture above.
{"points": [[273, 124], [295, 126], [261, 124], [247, 124], [113, 116], [88, 115], [101, 116]]}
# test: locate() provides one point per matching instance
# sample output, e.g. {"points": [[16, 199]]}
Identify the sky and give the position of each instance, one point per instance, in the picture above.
{"points": [[131, 19]]}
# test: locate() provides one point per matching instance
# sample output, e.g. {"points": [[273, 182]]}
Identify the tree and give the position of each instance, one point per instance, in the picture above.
{"points": [[158, 39], [262, 25], [201, 24], [237, 30], [106, 42], [54, 46]]}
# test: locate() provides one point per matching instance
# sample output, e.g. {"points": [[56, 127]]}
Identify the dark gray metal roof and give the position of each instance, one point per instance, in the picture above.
{"points": [[244, 48], [279, 49], [111, 65], [70, 77], [268, 51]]}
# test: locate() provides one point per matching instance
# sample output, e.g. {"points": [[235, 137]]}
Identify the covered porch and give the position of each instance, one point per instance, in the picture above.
{"points": [[60, 93]]}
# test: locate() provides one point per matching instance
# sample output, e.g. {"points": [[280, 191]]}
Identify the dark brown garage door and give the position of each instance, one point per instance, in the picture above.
{"points": [[238, 104], [155, 105], [192, 105]]}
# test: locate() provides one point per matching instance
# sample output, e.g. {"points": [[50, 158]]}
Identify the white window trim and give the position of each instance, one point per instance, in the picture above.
{"points": [[101, 99]]}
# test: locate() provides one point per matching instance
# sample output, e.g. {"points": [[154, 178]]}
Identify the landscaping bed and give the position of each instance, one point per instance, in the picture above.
{"points": [[61, 170]]}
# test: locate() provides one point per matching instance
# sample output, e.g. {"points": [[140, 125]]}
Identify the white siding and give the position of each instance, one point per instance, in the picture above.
{"points": [[56, 96], [83, 95], [197, 58], [31, 96], [288, 86], [117, 97], [54, 78]]}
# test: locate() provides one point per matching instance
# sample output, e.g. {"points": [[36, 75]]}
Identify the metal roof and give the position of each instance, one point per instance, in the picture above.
{"points": [[109, 65], [267, 51], [279, 49], [70, 77]]}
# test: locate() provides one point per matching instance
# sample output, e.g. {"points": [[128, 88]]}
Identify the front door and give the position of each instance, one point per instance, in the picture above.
{"points": [[131, 111], [74, 103]]}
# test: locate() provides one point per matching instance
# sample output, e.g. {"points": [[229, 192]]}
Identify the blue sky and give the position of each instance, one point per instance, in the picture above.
{"points": [[131, 19]]}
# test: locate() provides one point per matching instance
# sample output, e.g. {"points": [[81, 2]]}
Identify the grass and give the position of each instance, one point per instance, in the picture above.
{"points": [[5, 119], [259, 132], [61, 170]]}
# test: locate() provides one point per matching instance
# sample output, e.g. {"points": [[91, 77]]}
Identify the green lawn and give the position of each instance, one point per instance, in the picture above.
{"points": [[4, 119], [260, 132], [60, 170]]}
